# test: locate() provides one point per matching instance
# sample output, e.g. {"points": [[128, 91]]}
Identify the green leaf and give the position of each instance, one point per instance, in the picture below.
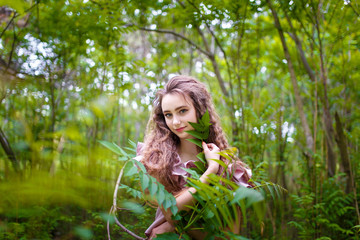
{"points": [[196, 141], [193, 173], [271, 190], [133, 145], [201, 129], [160, 196], [196, 134], [200, 166], [166, 236], [130, 169], [233, 236], [152, 186], [144, 180], [133, 207], [173, 200], [252, 196], [205, 119], [225, 155], [201, 157], [206, 133], [83, 232], [133, 192], [197, 126], [208, 213], [167, 202], [139, 164], [220, 162], [174, 209], [113, 147], [123, 158], [278, 193], [107, 217], [130, 149]]}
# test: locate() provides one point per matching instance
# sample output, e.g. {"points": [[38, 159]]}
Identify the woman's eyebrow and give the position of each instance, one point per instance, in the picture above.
{"points": [[184, 106]]}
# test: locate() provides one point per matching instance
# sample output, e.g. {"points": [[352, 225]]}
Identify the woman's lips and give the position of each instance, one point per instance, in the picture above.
{"points": [[180, 129]]}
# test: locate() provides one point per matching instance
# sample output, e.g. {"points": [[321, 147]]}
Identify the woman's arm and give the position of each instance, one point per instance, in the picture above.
{"points": [[211, 151], [162, 228]]}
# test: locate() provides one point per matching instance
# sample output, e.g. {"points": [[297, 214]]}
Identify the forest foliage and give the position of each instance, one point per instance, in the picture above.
{"points": [[284, 76]]}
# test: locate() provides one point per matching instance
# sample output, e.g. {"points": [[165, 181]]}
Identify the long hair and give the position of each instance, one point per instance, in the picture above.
{"points": [[160, 151]]}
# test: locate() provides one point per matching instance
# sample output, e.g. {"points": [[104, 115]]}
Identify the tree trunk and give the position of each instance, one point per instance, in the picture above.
{"points": [[298, 100], [329, 131], [345, 162], [8, 150]]}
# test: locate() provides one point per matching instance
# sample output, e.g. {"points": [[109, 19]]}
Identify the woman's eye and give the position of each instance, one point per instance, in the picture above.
{"points": [[183, 110], [167, 115]]}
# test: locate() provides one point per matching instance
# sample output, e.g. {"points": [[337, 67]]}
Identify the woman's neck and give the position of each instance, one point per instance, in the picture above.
{"points": [[187, 150]]}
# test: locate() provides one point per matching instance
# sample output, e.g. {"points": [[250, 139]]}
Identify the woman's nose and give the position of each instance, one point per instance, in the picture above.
{"points": [[176, 120]]}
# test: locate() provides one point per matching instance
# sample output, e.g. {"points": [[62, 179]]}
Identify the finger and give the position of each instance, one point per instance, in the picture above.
{"points": [[205, 146]]}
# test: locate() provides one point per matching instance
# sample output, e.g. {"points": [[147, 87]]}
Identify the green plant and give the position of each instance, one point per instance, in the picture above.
{"points": [[218, 203], [136, 172], [330, 215]]}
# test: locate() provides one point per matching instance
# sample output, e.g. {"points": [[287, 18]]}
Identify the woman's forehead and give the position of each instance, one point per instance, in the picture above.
{"points": [[173, 100]]}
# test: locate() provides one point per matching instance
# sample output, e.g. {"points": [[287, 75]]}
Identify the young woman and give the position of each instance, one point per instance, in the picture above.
{"points": [[166, 151]]}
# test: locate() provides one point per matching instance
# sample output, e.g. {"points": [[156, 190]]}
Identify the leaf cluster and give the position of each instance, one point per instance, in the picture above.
{"points": [[219, 205], [150, 187], [201, 130], [332, 213]]}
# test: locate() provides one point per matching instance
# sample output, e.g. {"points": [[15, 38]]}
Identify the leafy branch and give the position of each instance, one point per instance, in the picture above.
{"points": [[149, 184], [200, 134]]}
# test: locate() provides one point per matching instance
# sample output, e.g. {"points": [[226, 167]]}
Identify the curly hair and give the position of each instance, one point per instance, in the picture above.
{"points": [[159, 153]]}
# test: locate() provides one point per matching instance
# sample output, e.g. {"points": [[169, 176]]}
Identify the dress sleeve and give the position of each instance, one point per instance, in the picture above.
{"points": [[241, 175], [139, 149]]}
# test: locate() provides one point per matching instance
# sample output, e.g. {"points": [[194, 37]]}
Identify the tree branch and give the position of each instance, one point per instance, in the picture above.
{"points": [[215, 38], [12, 50], [7, 26], [352, 7], [208, 54], [297, 41], [211, 32], [114, 209]]}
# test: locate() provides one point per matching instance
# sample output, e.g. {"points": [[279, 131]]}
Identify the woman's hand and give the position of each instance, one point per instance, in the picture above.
{"points": [[163, 228], [211, 152], [185, 198]]}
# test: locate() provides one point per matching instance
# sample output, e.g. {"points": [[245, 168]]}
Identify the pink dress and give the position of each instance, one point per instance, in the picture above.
{"points": [[239, 177]]}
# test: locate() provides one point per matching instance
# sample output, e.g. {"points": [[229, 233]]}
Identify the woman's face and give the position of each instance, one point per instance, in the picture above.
{"points": [[178, 111]]}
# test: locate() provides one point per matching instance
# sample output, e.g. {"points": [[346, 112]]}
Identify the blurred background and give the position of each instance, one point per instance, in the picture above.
{"points": [[284, 76]]}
